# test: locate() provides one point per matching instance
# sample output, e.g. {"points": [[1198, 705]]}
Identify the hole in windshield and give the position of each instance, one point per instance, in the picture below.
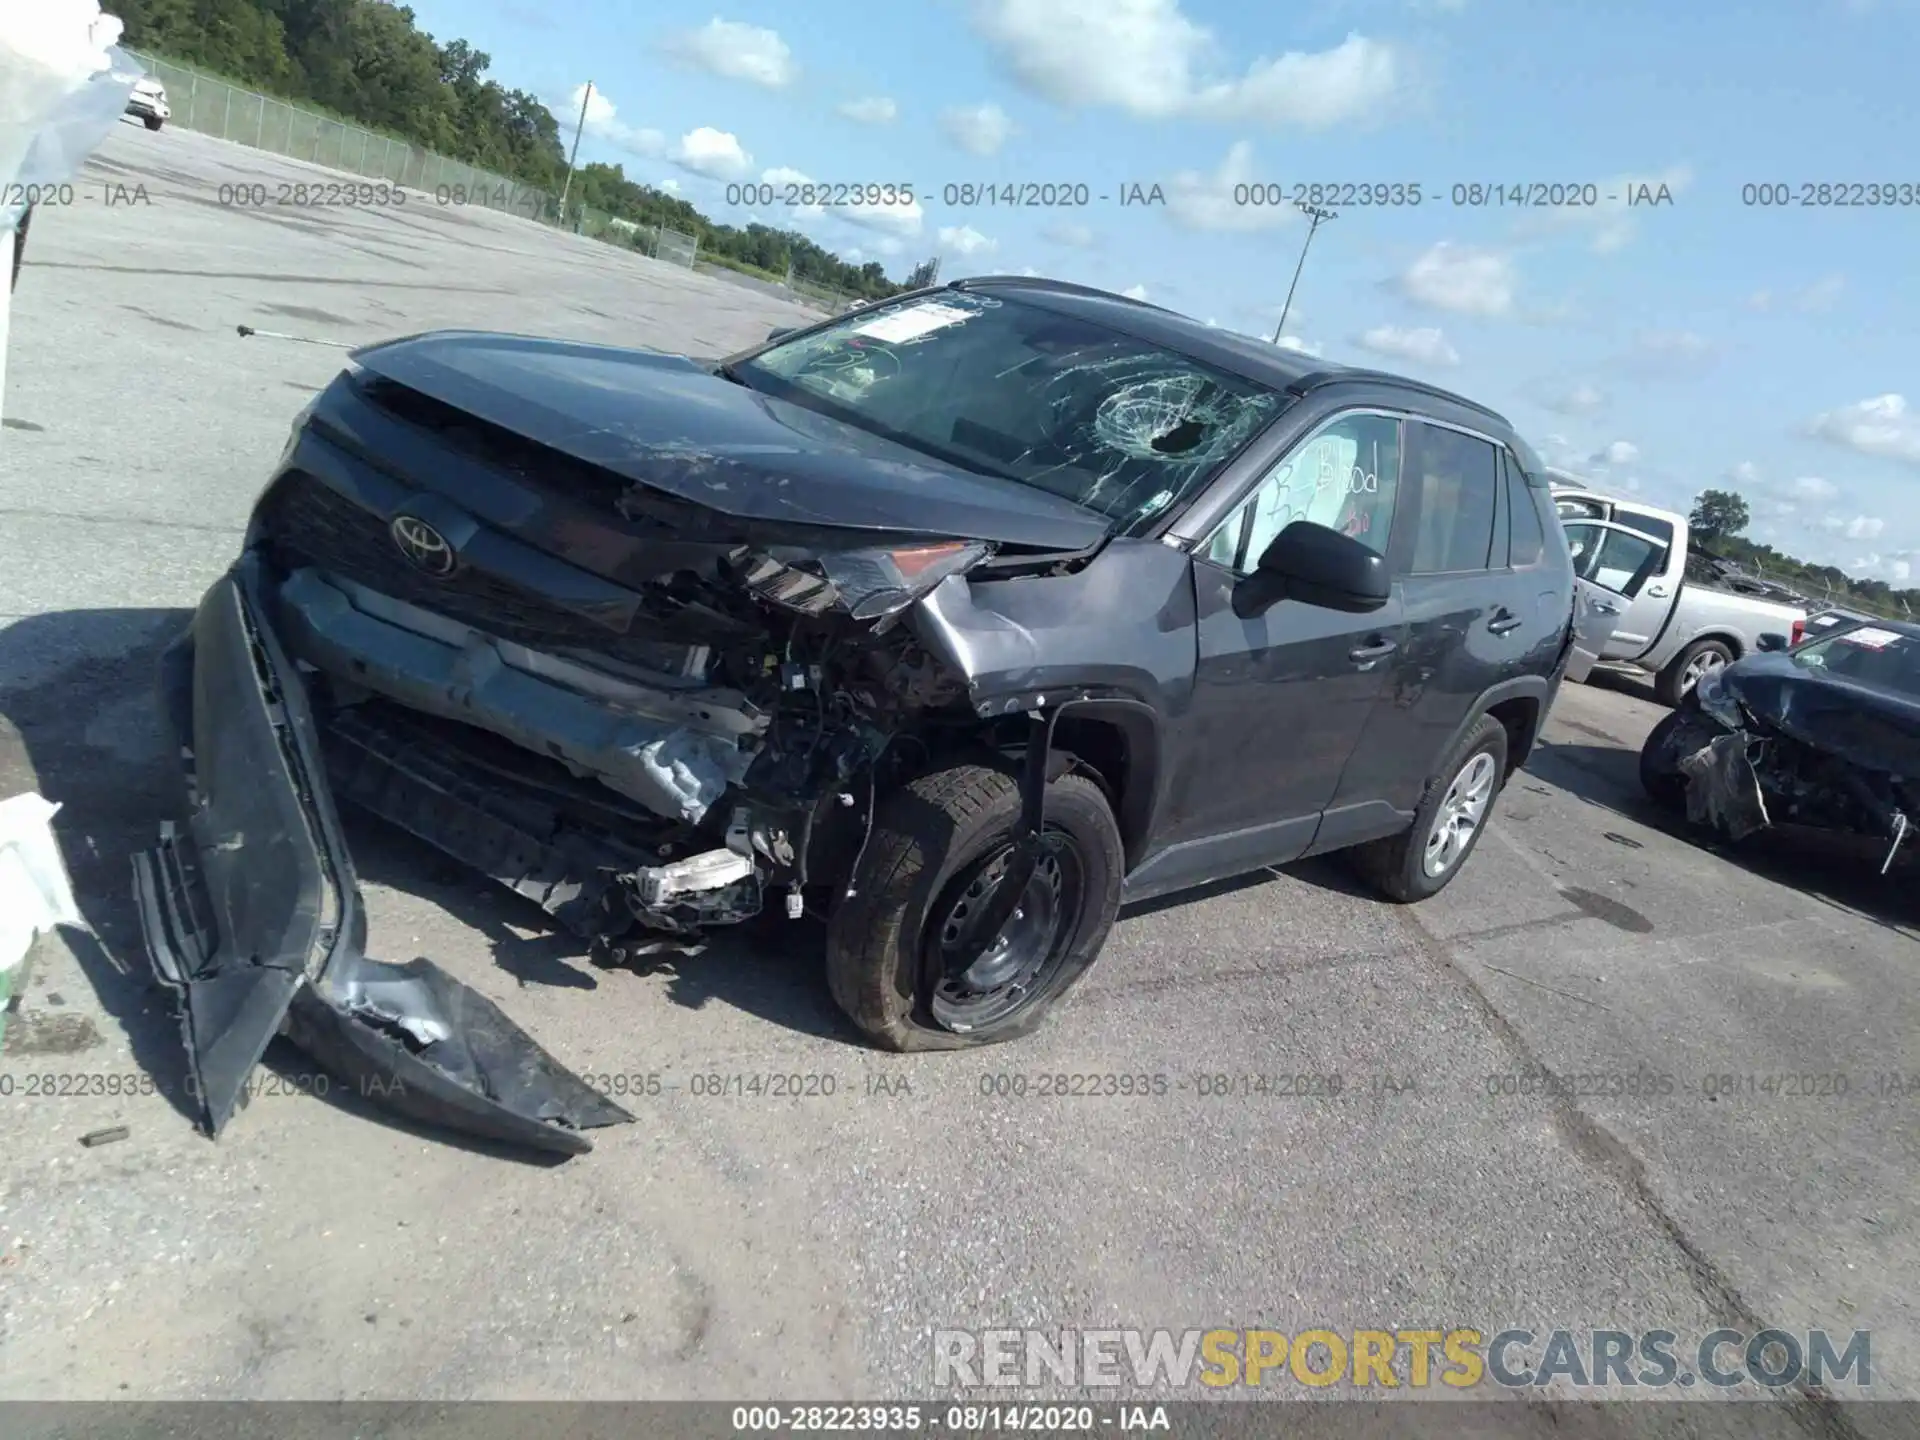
{"points": [[1115, 424]]}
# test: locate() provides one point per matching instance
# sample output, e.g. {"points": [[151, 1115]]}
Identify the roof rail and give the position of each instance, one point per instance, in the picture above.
{"points": [[1040, 282], [1335, 375]]}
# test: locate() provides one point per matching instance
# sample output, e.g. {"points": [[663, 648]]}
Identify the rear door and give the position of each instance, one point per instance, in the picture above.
{"points": [[1470, 620]]}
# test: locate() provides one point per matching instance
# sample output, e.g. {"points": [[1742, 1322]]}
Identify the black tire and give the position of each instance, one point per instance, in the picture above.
{"points": [[929, 837], [1670, 686], [1396, 866], [1659, 776], [153, 122], [1678, 733]]}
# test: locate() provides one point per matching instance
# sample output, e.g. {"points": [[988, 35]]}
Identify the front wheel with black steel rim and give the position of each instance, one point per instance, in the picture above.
{"points": [[906, 958], [1453, 813]]}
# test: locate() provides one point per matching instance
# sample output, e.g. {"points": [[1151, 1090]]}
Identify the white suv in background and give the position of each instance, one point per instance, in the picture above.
{"points": [[149, 102]]}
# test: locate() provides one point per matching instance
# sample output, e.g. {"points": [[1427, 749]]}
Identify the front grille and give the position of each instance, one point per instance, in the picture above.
{"points": [[307, 523]]}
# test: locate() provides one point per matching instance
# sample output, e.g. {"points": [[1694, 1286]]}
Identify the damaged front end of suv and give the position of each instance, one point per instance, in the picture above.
{"points": [[1825, 736], [641, 641]]}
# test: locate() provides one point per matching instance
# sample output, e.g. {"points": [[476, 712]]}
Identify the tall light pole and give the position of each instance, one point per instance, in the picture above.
{"points": [[1318, 215], [574, 154]]}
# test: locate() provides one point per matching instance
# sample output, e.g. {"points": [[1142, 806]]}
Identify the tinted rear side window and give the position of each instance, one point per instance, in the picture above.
{"points": [[1457, 475], [1528, 540]]}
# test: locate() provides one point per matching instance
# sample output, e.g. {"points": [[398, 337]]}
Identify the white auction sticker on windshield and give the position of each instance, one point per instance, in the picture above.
{"points": [[1871, 636], [911, 322]]}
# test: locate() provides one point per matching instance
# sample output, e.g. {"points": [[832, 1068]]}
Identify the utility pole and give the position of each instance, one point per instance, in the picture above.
{"points": [[566, 185], [1318, 215]]}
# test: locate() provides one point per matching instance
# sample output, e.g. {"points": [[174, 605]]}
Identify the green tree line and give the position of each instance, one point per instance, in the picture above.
{"points": [[1720, 515], [368, 61]]}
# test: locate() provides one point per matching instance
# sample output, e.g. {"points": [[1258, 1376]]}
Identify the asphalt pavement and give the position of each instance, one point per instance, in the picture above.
{"points": [[736, 1245]]}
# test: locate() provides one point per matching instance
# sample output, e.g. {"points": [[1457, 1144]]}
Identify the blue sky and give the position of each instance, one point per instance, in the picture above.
{"points": [[1661, 349]]}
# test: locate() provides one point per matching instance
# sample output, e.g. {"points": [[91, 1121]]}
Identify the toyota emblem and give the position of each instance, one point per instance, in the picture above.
{"points": [[425, 547]]}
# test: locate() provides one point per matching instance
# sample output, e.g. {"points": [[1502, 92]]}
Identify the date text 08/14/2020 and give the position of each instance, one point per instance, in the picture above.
{"points": [[1080, 194]]}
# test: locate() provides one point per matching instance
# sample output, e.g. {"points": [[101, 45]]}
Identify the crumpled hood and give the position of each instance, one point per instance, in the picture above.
{"points": [[1872, 728], [669, 424]]}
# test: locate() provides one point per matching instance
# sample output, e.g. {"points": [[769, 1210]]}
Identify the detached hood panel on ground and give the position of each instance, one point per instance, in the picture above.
{"points": [[1872, 728], [666, 423]]}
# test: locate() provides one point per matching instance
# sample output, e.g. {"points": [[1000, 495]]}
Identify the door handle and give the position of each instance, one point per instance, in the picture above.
{"points": [[1372, 651], [1603, 607], [1657, 590], [1504, 621]]}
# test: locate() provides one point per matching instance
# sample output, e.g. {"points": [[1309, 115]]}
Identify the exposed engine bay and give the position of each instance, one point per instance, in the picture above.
{"points": [[665, 789]]}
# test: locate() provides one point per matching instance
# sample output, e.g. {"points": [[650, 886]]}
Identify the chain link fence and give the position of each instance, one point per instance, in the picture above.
{"points": [[212, 106]]}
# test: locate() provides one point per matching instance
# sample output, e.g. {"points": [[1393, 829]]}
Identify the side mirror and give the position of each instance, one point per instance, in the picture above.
{"points": [[780, 332], [1771, 641], [1318, 566]]}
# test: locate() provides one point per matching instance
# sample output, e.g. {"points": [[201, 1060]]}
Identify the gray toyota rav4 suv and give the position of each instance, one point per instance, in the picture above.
{"points": [[958, 622]]}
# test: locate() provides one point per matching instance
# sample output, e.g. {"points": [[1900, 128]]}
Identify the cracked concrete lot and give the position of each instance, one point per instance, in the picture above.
{"points": [[730, 1245]]}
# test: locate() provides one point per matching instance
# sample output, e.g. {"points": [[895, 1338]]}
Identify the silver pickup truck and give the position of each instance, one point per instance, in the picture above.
{"points": [[1678, 612]]}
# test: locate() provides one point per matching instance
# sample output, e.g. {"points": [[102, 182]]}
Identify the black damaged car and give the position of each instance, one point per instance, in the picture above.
{"points": [[957, 621], [1824, 734]]}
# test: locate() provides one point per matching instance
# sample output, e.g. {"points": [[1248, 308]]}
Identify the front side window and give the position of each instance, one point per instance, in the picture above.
{"points": [[1344, 476], [1458, 476], [1610, 556], [1113, 423]]}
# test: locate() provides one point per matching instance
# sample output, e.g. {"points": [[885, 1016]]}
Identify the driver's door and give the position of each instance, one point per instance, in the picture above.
{"points": [[1611, 566], [1280, 697]]}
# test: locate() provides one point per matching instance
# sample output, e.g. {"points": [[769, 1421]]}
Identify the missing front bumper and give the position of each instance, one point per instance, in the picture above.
{"points": [[252, 917]]}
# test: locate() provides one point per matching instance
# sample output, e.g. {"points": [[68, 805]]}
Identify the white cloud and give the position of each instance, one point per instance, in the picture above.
{"points": [[1657, 353], [1080, 237], [965, 240], [710, 152], [670, 185], [1425, 346], [781, 176], [872, 110], [1745, 473], [1197, 201], [1307, 91], [1135, 292], [1612, 221], [603, 122], [1813, 487], [1821, 295], [1620, 452], [1460, 279], [978, 129], [1303, 347], [1581, 399], [900, 220], [1865, 527], [1884, 427], [1149, 59], [1816, 299], [737, 52]]}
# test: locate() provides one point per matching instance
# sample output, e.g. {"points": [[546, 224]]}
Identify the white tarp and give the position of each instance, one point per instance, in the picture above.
{"points": [[35, 893]]}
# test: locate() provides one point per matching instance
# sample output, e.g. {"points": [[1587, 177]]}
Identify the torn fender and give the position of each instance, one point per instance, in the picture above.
{"points": [[1723, 788], [253, 917]]}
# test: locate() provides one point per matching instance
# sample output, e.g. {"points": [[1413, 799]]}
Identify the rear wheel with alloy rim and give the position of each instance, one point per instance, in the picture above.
{"points": [[1421, 860], [905, 960]]}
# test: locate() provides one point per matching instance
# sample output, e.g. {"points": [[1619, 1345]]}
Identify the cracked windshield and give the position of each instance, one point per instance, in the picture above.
{"points": [[976, 718]]}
